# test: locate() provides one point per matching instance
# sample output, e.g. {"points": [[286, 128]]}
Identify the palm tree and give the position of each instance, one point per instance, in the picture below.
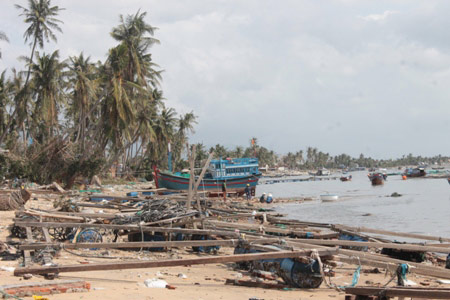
{"points": [[185, 125], [41, 17], [133, 33], [3, 37], [47, 86], [5, 88], [84, 88]]}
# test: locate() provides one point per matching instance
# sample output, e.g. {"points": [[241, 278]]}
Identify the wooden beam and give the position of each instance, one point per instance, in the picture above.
{"points": [[428, 293], [191, 177], [199, 180], [168, 263], [393, 233], [225, 243], [408, 247]]}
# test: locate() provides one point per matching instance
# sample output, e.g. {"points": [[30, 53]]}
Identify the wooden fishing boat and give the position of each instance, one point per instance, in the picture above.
{"points": [[234, 175], [416, 172], [346, 178], [321, 172], [377, 178]]}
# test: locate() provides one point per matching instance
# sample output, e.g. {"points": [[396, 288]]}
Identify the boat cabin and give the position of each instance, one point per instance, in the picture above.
{"points": [[232, 168]]}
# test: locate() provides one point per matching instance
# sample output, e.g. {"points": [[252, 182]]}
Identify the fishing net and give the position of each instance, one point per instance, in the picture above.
{"points": [[15, 200]]}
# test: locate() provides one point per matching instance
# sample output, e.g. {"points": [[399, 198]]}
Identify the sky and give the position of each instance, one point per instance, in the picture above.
{"points": [[345, 76]]}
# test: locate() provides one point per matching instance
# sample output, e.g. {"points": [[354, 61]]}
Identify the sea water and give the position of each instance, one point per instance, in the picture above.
{"points": [[424, 206]]}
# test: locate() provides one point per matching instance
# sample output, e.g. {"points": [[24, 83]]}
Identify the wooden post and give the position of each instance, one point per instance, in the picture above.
{"points": [[200, 178], [191, 176]]}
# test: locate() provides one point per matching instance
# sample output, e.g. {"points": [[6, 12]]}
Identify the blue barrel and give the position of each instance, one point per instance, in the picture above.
{"points": [[132, 194]]}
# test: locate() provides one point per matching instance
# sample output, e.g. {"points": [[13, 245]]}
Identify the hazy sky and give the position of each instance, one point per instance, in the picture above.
{"points": [[344, 76]]}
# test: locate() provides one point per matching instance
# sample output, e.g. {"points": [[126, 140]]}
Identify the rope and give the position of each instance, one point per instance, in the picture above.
{"points": [[6, 296]]}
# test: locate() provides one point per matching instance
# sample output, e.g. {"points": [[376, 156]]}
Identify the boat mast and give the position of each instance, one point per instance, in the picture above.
{"points": [[169, 158]]}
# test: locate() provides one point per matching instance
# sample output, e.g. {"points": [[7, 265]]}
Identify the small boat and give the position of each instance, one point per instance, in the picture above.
{"points": [[416, 172], [346, 178], [329, 198], [321, 172], [233, 175], [377, 178]]}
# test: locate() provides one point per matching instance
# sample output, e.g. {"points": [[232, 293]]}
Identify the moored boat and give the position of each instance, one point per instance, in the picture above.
{"points": [[346, 178], [377, 178], [232, 175], [416, 172], [321, 172]]}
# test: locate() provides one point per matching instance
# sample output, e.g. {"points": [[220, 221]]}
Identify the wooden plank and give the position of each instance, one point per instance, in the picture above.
{"points": [[400, 292], [53, 216], [393, 233], [27, 253], [229, 243], [168, 263], [408, 247]]}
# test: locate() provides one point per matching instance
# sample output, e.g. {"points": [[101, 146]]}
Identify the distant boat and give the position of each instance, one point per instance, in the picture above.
{"points": [[329, 198], [346, 178], [321, 172], [416, 172], [377, 178], [234, 174]]}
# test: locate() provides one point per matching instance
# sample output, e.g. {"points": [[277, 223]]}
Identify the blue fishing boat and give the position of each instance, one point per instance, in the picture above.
{"points": [[416, 172], [230, 175]]}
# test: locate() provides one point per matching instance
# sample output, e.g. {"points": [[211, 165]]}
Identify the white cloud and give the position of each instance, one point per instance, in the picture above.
{"points": [[379, 17], [293, 73]]}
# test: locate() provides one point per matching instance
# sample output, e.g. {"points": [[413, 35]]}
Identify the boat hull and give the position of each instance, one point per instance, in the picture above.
{"points": [[173, 182], [377, 179]]}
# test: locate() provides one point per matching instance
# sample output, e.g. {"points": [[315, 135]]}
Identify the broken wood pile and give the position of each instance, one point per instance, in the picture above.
{"points": [[295, 253]]}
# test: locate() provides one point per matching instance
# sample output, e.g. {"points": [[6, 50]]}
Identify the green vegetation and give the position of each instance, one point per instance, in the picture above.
{"points": [[66, 117]]}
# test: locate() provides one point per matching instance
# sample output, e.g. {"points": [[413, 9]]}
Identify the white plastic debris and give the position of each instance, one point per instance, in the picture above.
{"points": [[155, 283], [410, 282], [444, 281], [181, 275], [9, 269]]}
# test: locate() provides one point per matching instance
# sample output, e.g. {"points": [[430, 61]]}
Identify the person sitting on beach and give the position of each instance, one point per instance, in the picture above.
{"points": [[262, 199], [269, 198]]}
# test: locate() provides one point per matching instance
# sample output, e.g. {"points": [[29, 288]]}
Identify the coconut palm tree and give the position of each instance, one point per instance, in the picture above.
{"points": [[42, 19], [83, 83], [5, 88], [3, 37], [137, 36], [47, 89]]}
